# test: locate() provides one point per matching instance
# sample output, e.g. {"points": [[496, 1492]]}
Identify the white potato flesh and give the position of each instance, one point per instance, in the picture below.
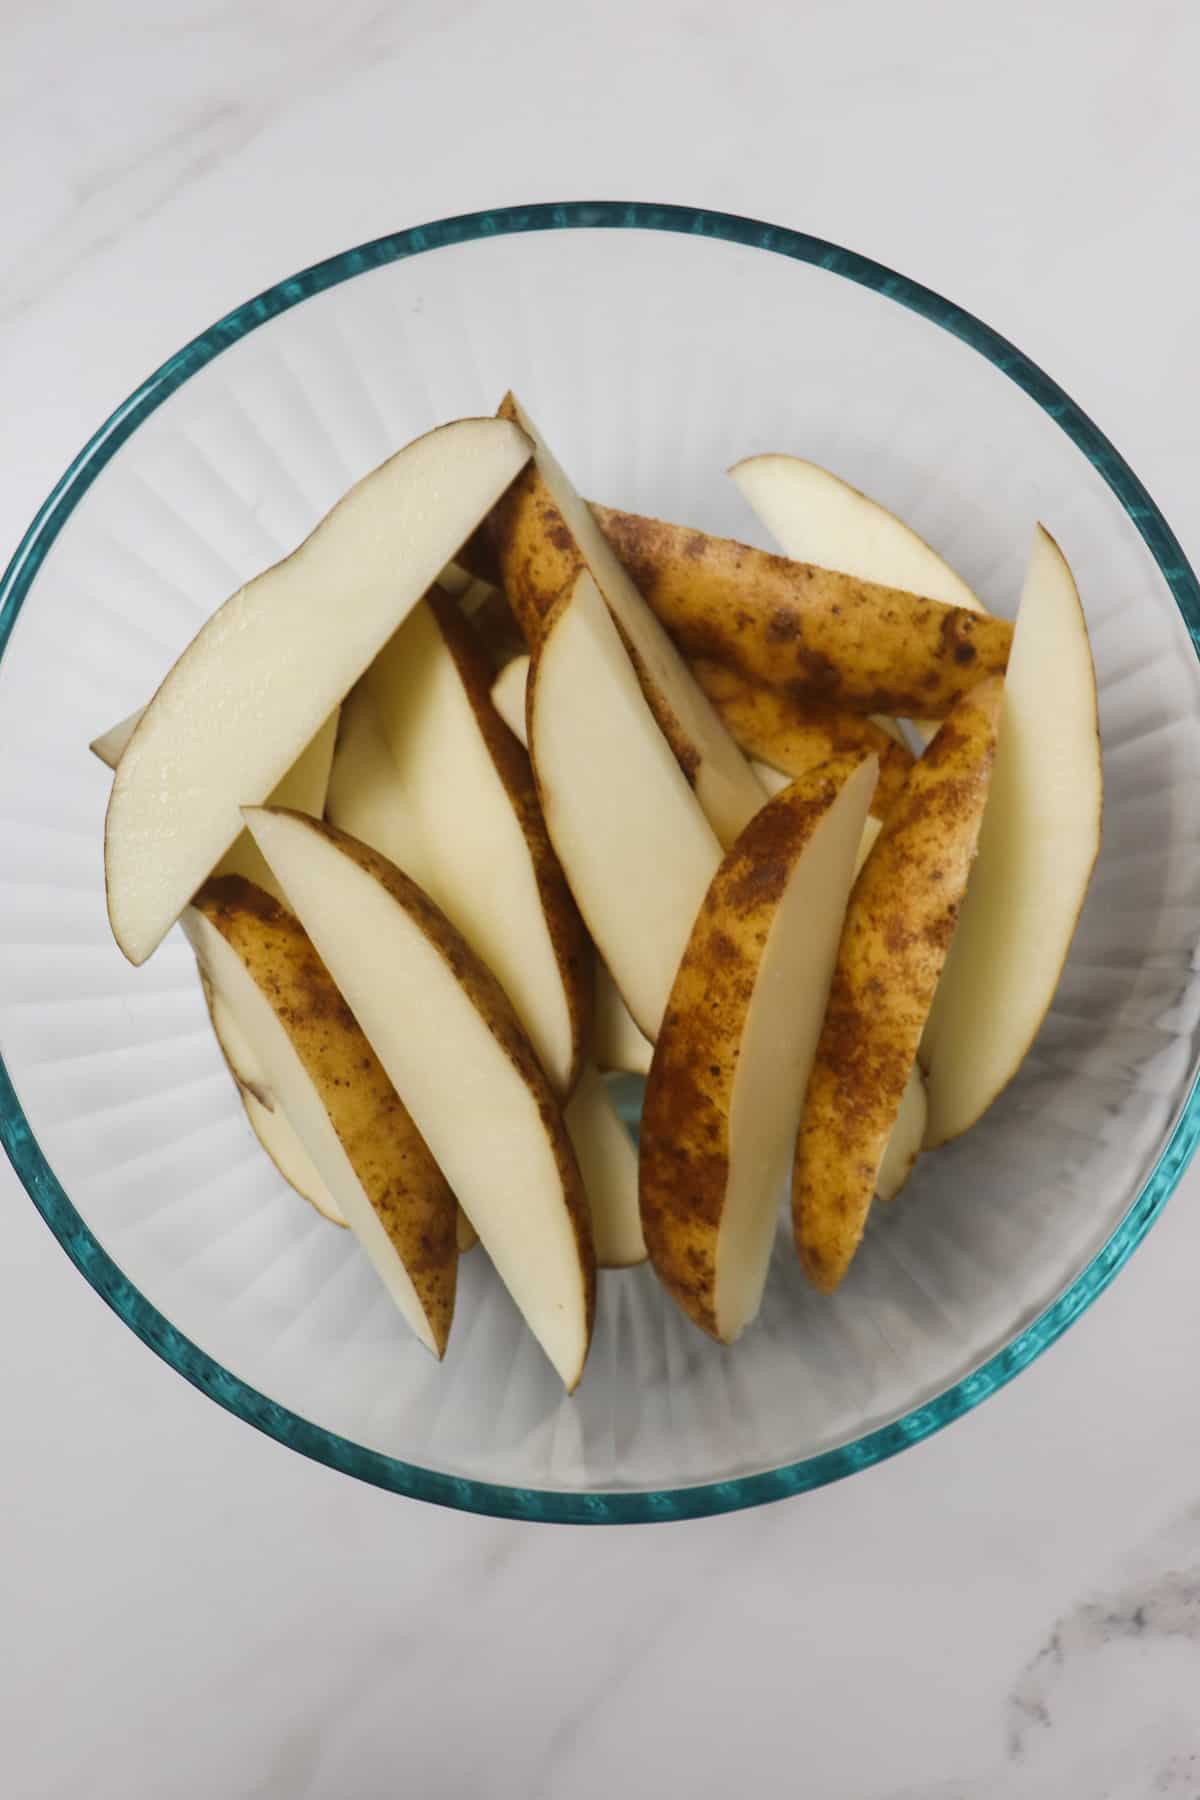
{"points": [[634, 844], [255, 684], [908, 1135], [1037, 849], [481, 1120], [609, 1166]]}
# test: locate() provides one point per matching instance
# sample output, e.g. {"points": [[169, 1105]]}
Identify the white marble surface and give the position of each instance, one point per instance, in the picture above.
{"points": [[1012, 1610]]}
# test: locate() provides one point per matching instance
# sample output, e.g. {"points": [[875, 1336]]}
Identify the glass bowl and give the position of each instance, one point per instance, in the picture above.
{"points": [[655, 346]]}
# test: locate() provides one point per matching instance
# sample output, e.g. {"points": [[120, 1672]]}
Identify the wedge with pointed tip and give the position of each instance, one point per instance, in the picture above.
{"points": [[816, 517], [906, 1139], [898, 928], [447, 1035], [430, 777], [335, 1094], [616, 1041], [817, 632], [630, 835], [732, 1061], [543, 534], [109, 747], [1040, 840], [609, 1166], [794, 735], [254, 685]]}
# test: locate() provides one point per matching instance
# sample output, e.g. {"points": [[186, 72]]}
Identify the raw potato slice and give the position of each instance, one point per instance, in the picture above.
{"points": [[304, 786], [263, 1113], [448, 1037], [1040, 840], [609, 1165], [636, 848], [254, 685], [733, 1057], [822, 634], [815, 517], [904, 1144], [543, 534], [427, 775], [616, 1041], [898, 929], [795, 736], [110, 745], [335, 1093]]}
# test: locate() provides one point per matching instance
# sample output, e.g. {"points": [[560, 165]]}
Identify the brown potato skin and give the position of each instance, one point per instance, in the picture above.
{"points": [[818, 633], [685, 1145], [406, 1188], [495, 1008], [898, 928], [795, 735], [568, 936]]}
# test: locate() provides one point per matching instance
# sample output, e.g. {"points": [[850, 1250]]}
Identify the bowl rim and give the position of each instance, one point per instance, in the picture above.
{"points": [[613, 1506]]}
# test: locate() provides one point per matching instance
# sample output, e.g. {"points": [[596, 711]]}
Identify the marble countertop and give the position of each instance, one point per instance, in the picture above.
{"points": [[1011, 1610]]}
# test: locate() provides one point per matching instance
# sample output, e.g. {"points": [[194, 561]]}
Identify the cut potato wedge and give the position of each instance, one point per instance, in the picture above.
{"points": [[817, 632], [794, 736], [636, 847], [609, 1165], [815, 517], [264, 1114], [907, 1137], [898, 928], [468, 789], [109, 747], [335, 1093], [732, 1061], [543, 534], [1040, 840], [255, 684], [448, 1037], [617, 1044]]}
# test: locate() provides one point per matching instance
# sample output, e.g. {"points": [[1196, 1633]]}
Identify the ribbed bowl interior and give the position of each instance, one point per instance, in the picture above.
{"points": [[651, 362]]}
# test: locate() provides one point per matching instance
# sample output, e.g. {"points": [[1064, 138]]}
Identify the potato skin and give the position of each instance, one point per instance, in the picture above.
{"points": [[897, 933], [795, 735], [568, 936], [817, 633], [406, 1188], [495, 1007], [685, 1142]]}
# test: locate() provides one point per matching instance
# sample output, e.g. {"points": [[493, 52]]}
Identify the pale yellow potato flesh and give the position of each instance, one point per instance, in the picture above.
{"points": [[253, 687], [544, 533], [110, 745], [907, 1137], [616, 1041], [630, 835], [449, 1039], [819, 633], [335, 1094], [609, 1166], [1037, 850], [469, 792], [898, 928], [733, 1057]]}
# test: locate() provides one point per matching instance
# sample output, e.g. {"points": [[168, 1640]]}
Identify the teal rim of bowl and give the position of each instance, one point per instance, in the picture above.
{"points": [[613, 1507]]}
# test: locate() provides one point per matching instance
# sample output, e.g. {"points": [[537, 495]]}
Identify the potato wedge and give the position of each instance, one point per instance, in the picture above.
{"points": [[1039, 845], [269, 666], [448, 1037], [609, 1165], [543, 534], [898, 929], [906, 1140], [823, 635], [792, 735], [335, 1093], [636, 847], [732, 1061]]}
